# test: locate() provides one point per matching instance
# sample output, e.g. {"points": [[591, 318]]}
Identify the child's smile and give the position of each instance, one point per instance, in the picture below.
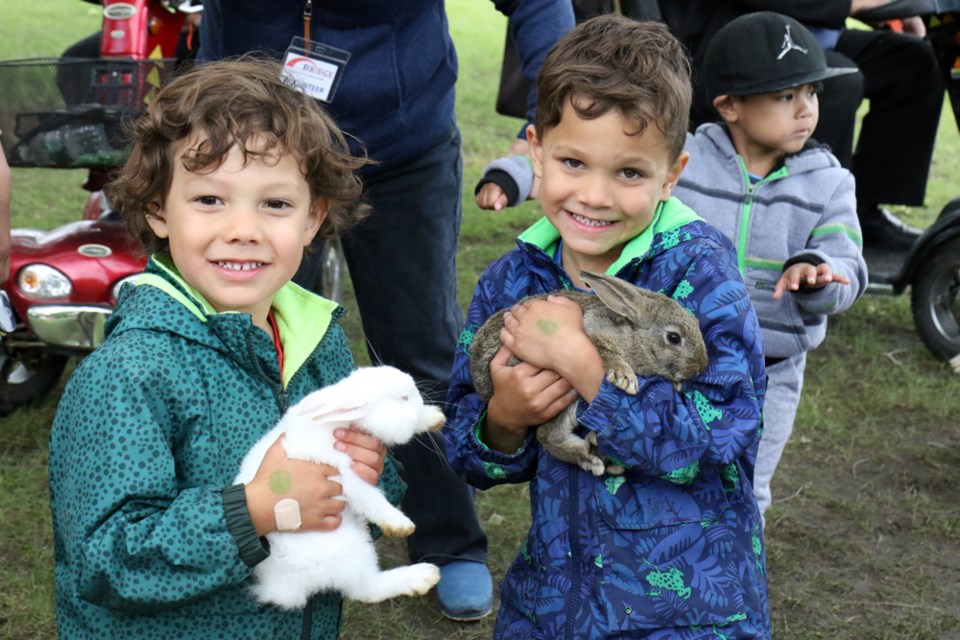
{"points": [[237, 232], [600, 186]]}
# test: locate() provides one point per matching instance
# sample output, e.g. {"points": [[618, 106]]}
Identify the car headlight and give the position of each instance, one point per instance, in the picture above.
{"points": [[115, 291], [42, 281]]}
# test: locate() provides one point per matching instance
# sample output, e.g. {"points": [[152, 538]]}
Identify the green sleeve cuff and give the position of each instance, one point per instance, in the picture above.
{"points": [[253, 549], [478, 434]]}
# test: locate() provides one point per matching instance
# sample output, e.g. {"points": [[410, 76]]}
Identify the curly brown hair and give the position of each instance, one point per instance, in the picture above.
{"points": [[243, 103], [613, 62]]}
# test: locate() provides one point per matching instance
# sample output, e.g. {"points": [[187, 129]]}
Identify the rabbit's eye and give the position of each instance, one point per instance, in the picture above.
{"points": [[405, 398], [674, 338]]}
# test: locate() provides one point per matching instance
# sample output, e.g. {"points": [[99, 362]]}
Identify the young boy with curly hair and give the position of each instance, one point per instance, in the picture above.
{"points": [[672, 548], [231, 176]]}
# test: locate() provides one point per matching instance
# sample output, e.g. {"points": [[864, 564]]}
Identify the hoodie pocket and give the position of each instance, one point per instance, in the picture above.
{"points": [[675, 556]]}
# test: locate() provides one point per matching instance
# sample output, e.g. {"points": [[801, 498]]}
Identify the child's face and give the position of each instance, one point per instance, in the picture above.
{"points": [[599, 185], [237, 233], [773, 123]]}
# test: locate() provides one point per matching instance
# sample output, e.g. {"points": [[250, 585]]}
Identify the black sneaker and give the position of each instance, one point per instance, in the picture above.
{"points": [[883, 230]]}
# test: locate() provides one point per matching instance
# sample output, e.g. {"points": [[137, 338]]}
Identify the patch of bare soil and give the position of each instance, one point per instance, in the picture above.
{"points": [[865, 543]]}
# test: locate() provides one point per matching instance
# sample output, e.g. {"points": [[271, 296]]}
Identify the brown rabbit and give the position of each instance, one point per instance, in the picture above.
{"points": [[636, 331]]}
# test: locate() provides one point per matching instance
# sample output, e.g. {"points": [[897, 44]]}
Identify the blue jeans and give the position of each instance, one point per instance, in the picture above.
{"points": [[402, 262]]}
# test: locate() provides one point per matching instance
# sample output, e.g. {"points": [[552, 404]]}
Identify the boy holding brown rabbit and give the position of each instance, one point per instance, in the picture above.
{"points": [[672, 548]]}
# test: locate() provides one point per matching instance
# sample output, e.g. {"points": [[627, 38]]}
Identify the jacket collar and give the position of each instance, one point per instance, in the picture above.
{"points": [[669, 216], [302, 318]]}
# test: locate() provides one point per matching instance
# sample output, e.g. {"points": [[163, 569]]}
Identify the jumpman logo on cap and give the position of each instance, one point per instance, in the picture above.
{"points": [[789, 45]]}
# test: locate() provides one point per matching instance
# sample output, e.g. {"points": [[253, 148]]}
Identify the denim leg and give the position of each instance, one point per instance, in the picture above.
{"points": [[402, 262], [784, 384]]}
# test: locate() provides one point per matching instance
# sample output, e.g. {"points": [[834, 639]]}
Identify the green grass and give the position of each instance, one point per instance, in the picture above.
{"points": [[863, 539]]}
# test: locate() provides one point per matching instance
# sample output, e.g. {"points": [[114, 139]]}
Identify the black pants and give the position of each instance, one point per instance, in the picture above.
{"points": [[900, 77]]}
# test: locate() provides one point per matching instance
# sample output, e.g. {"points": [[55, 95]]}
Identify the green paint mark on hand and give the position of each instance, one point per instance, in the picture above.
{"points": [[547, 327], [280, 482]]}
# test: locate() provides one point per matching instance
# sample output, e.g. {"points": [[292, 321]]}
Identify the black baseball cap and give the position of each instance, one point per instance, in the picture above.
{"points": [[763, 52]]}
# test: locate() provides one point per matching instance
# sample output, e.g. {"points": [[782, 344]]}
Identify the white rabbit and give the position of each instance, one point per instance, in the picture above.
{"points": [[384, 402]]}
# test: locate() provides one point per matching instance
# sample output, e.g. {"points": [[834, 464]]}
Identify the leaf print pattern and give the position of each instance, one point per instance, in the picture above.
{"points": [[698, 539]]}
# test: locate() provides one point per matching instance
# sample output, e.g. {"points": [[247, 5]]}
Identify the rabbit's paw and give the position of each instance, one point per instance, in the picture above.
{"points": [[593, 464], [421, 577], [411, 580], [623, 379], [590, 461], [615, 469], [397, 528]]}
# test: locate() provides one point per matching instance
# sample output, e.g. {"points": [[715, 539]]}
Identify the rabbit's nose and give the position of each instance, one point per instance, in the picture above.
{"points": [[433, 418]]}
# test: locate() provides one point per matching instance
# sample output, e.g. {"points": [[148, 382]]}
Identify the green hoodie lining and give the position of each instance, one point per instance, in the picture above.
{"points": [[292, 306], [669, 215]]}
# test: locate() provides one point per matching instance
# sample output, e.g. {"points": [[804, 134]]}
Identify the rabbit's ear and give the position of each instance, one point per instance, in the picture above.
{"points": [[328, 406], [622, 297]]}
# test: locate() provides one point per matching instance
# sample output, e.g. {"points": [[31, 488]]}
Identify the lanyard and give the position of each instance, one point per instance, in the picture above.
{"points": [[307, 14]]}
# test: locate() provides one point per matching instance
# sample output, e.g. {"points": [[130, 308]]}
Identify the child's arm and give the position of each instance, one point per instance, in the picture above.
{"points": [[802, 276], [306, 482], [488, 453], [549, 334], [523, 396], [715, 420], [832, 256], [506, 182]]}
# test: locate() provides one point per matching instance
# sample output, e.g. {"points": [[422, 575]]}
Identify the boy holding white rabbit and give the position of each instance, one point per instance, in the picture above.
{"points": [[231, 175]]}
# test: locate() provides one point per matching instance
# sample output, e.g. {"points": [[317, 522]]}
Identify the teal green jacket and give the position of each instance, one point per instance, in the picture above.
{"points": [[151, 539]]}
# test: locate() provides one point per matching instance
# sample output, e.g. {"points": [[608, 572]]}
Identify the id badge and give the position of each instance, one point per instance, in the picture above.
{"points": [[314, 68]]}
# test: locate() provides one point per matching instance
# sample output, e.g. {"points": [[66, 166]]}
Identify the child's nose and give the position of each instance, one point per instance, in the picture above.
{"points": [[807, 105], [594, 191], [243, 225]]}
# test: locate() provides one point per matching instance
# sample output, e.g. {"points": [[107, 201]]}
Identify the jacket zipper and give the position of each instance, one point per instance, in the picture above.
{"points": [[572, 526], [744, 235], [283, 403]]}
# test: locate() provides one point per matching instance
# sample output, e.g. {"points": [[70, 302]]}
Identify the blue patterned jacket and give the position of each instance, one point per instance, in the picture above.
{"points": [[673, 548]]}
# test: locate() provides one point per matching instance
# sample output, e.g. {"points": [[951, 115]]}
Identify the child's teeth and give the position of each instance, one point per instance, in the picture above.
{"points": [[241, 266], [589, 221]]}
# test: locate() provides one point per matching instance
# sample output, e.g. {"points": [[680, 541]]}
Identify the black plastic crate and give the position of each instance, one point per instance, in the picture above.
{"points": [[72, 113]]}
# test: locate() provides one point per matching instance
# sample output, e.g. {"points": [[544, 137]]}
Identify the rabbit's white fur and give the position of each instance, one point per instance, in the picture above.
{"points": [[384, 402]]}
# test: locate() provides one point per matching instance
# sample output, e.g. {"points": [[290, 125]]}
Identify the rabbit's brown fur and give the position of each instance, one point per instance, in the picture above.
{"points": [[636, 331]]}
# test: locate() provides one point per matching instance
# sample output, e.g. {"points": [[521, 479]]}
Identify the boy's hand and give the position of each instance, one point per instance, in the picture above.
{"points": [[549, 334], [804, 275], [523, 396], [308, 483], [491, 197], [367, 452]]}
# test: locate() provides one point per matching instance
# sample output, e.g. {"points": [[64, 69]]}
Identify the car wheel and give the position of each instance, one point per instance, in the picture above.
{"points": [[27, 376]]}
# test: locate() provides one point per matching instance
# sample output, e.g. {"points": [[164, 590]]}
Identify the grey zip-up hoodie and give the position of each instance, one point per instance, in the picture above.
{"points": [[803, 211]]}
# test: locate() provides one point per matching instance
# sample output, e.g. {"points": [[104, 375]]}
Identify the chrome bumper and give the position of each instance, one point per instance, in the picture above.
{"points": [[70, 326]]}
